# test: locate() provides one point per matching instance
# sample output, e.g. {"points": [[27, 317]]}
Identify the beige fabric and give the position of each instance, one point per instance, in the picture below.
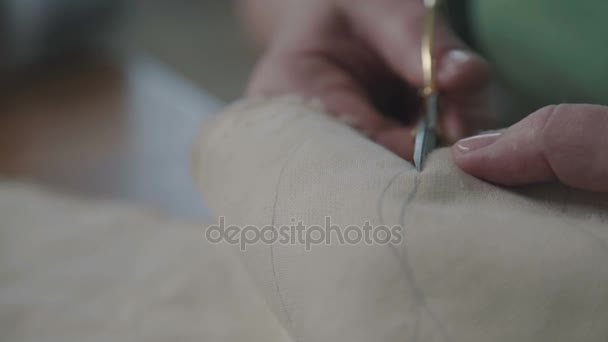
{"points": [[478, 262], [80, 271]]}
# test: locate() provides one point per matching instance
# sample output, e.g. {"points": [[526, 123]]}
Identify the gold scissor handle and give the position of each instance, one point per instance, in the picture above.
{"points": [[428, 45]]}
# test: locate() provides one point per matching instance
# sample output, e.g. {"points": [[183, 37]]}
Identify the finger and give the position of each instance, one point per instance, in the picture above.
{"points": [[565, 143], [260, 19], [395, 27], [465, 115], [399, 140], [315, 77], [340, 95], [452, 126], [462, 76]]}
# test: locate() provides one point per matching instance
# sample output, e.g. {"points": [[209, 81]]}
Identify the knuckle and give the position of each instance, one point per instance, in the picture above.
{"points": [[540, 122], [569, 138], [545, 129]]}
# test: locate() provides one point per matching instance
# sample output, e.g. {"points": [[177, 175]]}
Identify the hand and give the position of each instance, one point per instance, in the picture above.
{"points": [[566, 143], [361, 58]]}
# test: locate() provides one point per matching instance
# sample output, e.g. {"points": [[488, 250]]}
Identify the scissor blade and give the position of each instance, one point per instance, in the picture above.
{"points": [[426, 138], [425, 143]]}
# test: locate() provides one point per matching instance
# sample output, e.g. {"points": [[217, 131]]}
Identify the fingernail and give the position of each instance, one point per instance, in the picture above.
{"points": [[453, 62], [491, 131], [477, 142], [459, 56]]}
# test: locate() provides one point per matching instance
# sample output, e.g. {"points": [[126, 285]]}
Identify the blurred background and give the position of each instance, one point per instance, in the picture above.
{"points": [[105, 98], [201, 39]]}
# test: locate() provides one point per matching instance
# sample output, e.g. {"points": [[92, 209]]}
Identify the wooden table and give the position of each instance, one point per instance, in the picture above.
{"points": [[119, 130]]}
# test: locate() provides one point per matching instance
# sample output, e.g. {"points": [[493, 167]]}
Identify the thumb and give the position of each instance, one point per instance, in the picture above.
{"points": [[394, 28], [565, 143]]}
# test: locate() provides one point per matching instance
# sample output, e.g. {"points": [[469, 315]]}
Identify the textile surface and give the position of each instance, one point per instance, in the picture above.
{"points": [[74, 270], [476, 263]]}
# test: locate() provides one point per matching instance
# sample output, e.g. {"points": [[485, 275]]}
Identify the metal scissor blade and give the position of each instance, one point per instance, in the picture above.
{"points": [[425, 143], [426, 132]]}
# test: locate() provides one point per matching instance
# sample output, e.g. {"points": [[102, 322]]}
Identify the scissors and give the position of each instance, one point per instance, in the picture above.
{"points": [[426, 130]]}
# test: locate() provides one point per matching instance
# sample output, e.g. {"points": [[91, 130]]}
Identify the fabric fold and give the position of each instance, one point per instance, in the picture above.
{"points": [[475, 262]]}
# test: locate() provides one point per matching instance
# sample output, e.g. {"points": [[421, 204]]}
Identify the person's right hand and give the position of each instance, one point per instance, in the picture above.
{"points": [[361, 58]]}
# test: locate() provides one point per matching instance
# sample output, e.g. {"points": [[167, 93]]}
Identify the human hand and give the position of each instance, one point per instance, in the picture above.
{"points": [[361, 58], [566, 143]]}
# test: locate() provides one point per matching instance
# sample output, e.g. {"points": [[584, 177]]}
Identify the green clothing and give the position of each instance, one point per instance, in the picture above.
{"points": [[549, 51]]}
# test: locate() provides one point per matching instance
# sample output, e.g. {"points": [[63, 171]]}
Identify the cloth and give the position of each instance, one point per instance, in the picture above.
{"points": [[477, 262], [74, 270]]}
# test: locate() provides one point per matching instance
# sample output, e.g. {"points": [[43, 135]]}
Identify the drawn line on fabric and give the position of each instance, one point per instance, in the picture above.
{"points": [[383, 195], [416, 303], [420, 302], [273, 223]]}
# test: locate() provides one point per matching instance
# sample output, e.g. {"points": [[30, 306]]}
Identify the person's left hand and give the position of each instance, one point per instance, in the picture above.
{"points": [[566, 143]]}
